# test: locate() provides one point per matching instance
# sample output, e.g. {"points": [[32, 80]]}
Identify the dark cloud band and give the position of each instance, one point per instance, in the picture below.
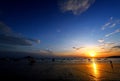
{"points": [[8, 37]]}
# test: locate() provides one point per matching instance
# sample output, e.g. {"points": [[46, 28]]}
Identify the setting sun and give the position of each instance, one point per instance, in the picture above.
{"points": [[92, 53]]}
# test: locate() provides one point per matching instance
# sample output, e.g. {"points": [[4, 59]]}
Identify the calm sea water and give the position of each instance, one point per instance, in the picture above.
{"points": [[80, 60], [69, 60], [61, 69]]}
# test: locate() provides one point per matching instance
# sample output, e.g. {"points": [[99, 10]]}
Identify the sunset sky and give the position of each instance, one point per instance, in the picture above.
{"points": [[60, 27]]}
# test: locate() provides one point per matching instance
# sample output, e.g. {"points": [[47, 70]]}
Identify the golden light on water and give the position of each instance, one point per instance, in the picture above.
{"points": [[94, 67]]}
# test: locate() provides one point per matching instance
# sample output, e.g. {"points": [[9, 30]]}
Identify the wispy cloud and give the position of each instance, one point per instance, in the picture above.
{"points": [[14, 40], [77, 48], [4, 29], [111, 23], [114, 32], [7, 36], [101, 40], [48, 51], [109, 44], [101, 52], [44, 52], [117, 47], [106, 45], [75, 6]]}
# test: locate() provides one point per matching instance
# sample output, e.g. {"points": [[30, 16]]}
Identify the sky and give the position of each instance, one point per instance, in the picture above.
{"points": [[60, 27]]}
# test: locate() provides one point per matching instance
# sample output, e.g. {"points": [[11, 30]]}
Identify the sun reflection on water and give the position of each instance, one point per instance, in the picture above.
{"points": [[95, 68]]}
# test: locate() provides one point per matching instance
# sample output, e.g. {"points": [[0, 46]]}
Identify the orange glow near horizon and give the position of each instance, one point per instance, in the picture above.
{"points": [[90, 52]]}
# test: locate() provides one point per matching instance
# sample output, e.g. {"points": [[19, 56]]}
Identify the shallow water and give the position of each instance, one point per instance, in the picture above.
{"points": [[60, 71], [81, 60]]}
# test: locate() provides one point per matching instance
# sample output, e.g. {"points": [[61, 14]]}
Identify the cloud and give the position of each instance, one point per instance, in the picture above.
{"points": [[110, 34], [77, 48], [105, 25], [4, 29], [4, 39], [106, 46], [75, 6], [7, 36], [35, 40], [109, 44], [2, 46], [117, 47], [111, 23], [101, 52], [46, 52], [101, 40]]}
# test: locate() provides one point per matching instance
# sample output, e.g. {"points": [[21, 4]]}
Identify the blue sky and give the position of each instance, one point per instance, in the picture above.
{"points": [[54, 26]]}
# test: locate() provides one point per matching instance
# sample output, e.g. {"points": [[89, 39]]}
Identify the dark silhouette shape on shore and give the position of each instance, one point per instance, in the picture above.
{"points": [[5, 59], [89, 60], [111, 64], [16, 60], [31, 60], [53, 59]]}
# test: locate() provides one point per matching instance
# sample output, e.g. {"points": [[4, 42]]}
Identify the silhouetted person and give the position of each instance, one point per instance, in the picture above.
{"points": [[15, 59], [53, 59], [42, 59], [5, 59], [89, 60], [31, 60], [111, 64]]}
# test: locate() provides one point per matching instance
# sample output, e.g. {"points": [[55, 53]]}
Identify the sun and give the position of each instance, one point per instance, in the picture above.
{"points": [[92, 53]]}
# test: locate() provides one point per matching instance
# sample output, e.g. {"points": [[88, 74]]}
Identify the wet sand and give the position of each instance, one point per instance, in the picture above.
{"points": [[60, 72]]}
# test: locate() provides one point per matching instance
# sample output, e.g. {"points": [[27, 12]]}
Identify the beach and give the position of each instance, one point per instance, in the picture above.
{"points": [[59, 40], [52, 71]]}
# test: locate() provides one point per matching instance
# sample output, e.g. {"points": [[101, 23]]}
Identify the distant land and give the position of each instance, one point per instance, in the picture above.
{"points": [[113, 57]]}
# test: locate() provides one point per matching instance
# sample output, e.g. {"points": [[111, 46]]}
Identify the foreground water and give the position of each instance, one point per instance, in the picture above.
{"points": [[62, 70]]}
